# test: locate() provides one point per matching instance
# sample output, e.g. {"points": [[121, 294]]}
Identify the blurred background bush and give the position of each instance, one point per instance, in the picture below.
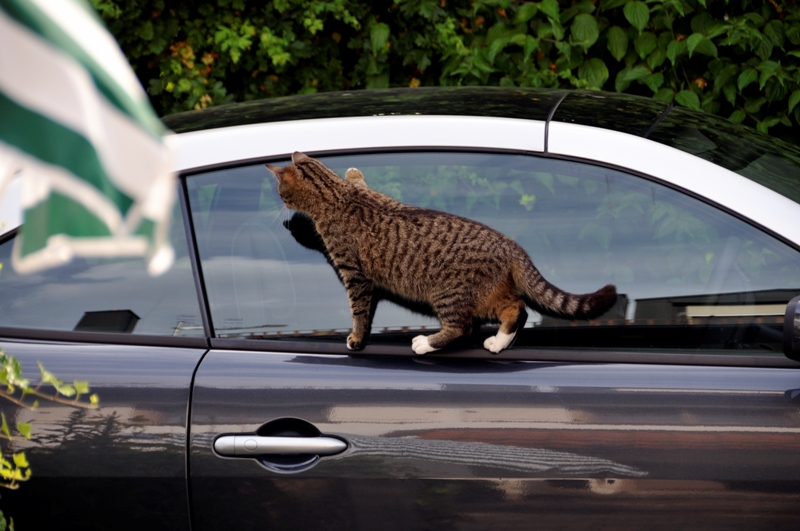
{"points": [[735, 58]]}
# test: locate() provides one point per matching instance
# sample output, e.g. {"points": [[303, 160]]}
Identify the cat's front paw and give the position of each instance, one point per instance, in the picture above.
{"points": [[420, 345], [496, 343], [353, 343]]}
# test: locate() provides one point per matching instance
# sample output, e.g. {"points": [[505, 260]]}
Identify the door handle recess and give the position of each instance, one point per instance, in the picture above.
{"points": [[254, 445]]}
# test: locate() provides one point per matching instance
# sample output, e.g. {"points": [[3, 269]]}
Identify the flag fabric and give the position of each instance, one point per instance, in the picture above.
{"points": [[78, 128]]}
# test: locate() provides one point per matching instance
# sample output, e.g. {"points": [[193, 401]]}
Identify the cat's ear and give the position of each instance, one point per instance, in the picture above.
{"points": [[299, 157], [277, 170], [354, 176]]}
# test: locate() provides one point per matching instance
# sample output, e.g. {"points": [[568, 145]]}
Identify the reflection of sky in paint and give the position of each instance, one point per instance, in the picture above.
{"points": [[586, 227]]}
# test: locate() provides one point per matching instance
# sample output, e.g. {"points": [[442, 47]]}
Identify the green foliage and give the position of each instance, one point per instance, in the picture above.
{"points": [[17, 390], [736, 59]]}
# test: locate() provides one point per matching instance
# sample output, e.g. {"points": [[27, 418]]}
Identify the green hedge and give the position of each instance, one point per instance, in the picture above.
{"points": [[736, 58]]}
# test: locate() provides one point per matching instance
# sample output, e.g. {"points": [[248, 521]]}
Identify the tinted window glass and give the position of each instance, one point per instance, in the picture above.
{"points": [[766, 160], [679, 264], [618, 112], [104, 295]]}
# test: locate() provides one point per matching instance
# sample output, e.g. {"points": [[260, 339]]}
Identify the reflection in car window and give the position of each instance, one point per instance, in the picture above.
{"points": [[689, 275], [104, 295], [766, 160]]}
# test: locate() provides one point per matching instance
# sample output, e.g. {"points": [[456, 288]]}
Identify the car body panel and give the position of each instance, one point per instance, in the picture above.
{"points": [[248, 142], [452, 443], [121, 466]]}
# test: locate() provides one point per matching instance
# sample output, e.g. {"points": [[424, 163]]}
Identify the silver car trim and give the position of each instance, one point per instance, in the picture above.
{"points": [[253, 445]]}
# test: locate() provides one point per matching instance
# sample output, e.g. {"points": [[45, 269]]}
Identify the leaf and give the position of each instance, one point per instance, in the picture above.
{"points": [[584, 30], [794, 99], [66, 390], [656, 59], [745, 78], [20, 460], [526, 12], [94, 399], [531, 44], [768, 69], [645, 43], [675, 49], [546, 180], [637, 13], [594, 72], [81, 387], [754, 105], [4, 426], [664, 94], [549, 8], [635, 73], [25, 429], [738, 116], [605, 5], [764, 125], [689, 99], [697, 42], [730, 93], [378, 36], [654, 81], [617, 42], [49, 377]]}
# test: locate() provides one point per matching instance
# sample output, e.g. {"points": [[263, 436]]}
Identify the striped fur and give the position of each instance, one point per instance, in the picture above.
{"points": [[465, 270]]}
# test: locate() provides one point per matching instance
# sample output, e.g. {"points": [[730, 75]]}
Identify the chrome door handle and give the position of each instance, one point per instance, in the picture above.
{"points": [[254, 445]]}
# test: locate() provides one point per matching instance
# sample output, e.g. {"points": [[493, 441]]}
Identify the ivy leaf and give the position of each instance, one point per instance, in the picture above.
{"points": [[645, 43], [617, 42], [794, 99], [594, 72], [526, 12], [549, 8], [745, 78], [637, 13], [584, 30], [689, 99], [81, 387]]}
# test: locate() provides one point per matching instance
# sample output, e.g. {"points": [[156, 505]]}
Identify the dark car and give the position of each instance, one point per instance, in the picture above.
{"points": [[228, 398]]}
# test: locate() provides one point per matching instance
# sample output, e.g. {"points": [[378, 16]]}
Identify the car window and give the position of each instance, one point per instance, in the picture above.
{"points": [[104, 295], [759, 157], [689, 276]]}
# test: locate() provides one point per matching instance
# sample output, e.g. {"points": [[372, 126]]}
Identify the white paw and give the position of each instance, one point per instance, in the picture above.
{"points": [[420, 345], [496, 343]]}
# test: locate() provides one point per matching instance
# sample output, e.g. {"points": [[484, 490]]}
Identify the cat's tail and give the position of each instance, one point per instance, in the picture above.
{"points": [[545, 297]]}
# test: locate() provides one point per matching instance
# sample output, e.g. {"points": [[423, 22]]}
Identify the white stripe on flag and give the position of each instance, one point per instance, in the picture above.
{"points": [[60, 89], [87, 32]]}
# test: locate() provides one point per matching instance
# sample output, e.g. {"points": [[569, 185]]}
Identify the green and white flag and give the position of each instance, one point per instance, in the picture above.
{"points": [[78, 128]]}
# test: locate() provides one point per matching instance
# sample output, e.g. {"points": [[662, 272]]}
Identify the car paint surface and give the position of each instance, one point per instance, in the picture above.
{"points": [[473, 444], [120, 466]]}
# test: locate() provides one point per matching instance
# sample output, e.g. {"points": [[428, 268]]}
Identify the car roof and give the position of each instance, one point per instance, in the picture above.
{"points": [[736, 147], [619, 112]]}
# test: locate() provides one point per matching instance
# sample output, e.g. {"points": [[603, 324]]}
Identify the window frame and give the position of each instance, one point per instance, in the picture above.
{"points": [[550, 354]]}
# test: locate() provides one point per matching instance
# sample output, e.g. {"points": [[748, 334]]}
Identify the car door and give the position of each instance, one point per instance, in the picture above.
{"points": [[136, 341], [675, 408]]}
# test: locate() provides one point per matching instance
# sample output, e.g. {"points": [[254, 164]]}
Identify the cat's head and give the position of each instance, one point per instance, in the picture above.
{"points": [[306, 182]]}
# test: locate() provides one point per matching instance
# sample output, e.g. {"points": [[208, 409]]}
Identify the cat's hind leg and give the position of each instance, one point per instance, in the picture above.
{"points": [[510, 311], [454, 325]]}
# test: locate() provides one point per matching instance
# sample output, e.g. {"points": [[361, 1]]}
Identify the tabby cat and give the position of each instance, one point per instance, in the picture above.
{"points": [[466, 271]]}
